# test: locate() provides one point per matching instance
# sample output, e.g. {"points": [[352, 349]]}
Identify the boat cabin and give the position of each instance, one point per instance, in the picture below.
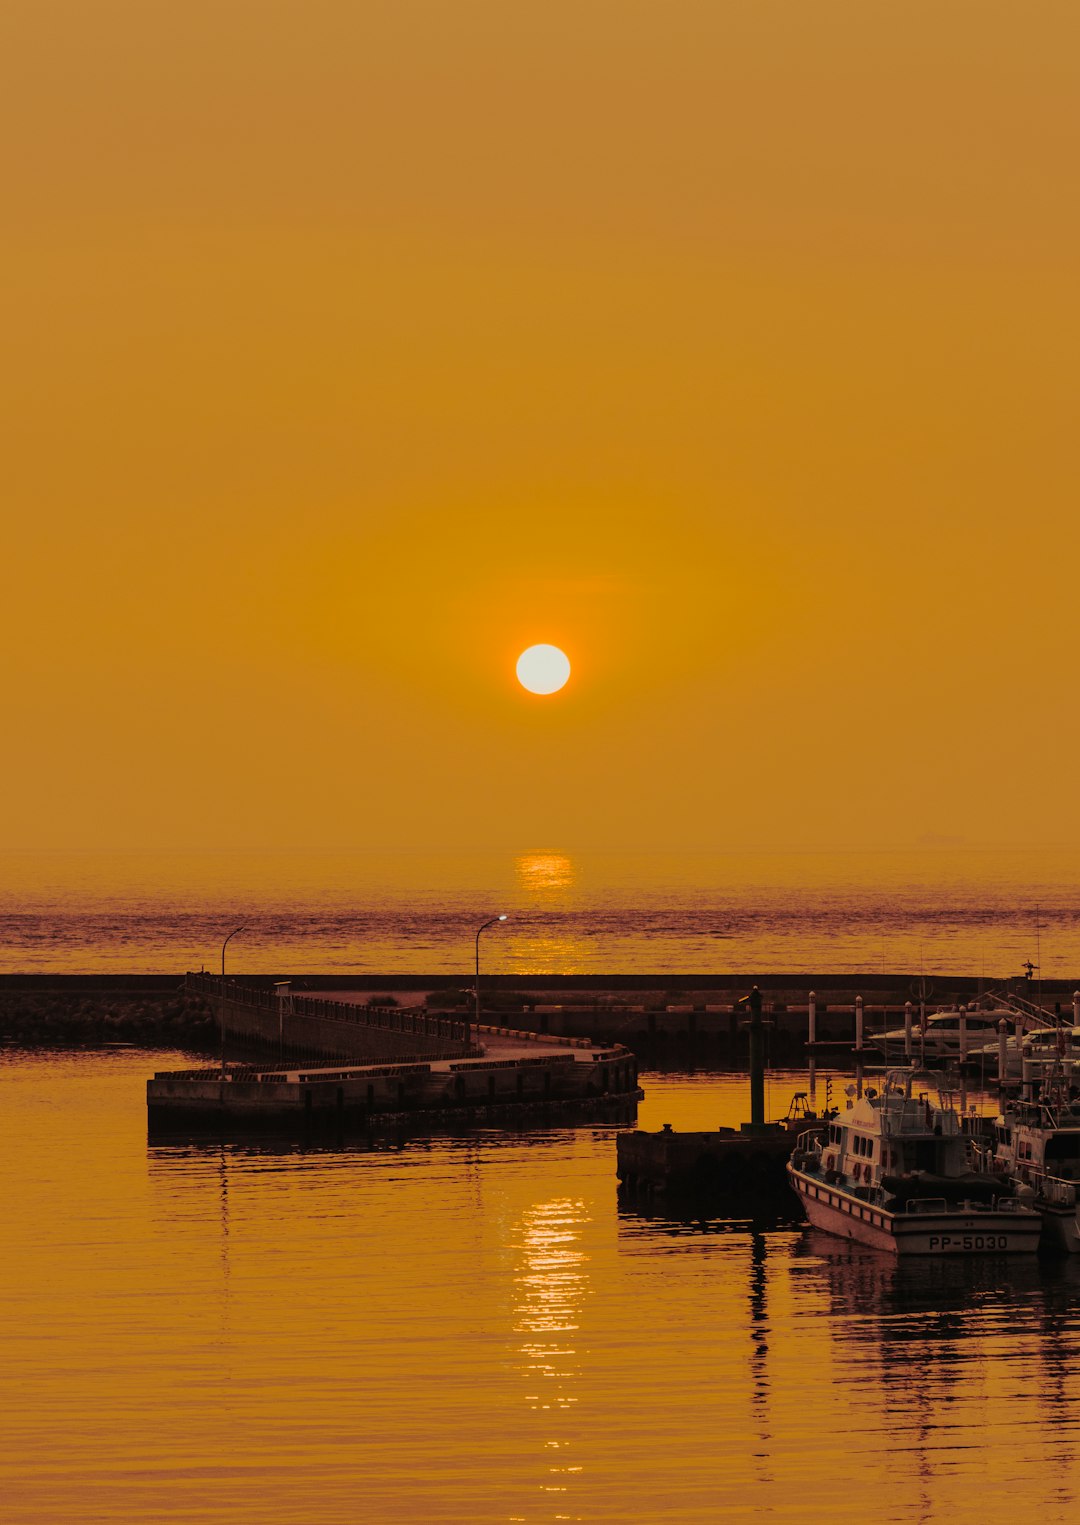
{"points": [[1035, 1140], [894, 1133]]}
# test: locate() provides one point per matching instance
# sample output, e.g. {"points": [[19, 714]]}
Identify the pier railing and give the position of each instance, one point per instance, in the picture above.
{"points": [[526, 1035], [418, 1023]]}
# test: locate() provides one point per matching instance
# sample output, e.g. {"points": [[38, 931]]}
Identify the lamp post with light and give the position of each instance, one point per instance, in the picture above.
{"points": [[224, 945], [484, 928]]}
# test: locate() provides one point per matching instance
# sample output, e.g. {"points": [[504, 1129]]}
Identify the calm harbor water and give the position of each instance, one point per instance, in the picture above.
{"points": [[472, 1329], [947, 911]]}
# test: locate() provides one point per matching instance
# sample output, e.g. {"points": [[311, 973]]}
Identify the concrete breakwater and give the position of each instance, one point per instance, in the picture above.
{"points": [[547, 1081], [431, 1066], [661, 1016], [331, 1026]]}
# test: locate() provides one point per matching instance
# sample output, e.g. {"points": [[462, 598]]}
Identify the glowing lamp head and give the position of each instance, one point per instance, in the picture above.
{"points": [[543, 669]]}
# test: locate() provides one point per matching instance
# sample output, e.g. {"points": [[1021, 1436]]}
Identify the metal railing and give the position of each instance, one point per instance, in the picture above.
{"points": [[938, 1123], [511, 1064], [1021, 1007], [1054, 1190], [420, 1022]]}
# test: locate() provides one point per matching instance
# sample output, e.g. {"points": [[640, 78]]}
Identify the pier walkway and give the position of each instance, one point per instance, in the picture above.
{"points": [[495, 1042], [416, 1066]]}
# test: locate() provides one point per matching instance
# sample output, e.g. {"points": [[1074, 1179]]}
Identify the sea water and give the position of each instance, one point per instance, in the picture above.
{"points": [[943, 911], [473, 1328]]}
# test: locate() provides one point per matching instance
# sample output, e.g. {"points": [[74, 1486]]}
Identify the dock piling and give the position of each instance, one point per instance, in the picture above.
{"points": [[757, 1060], [1027, 1073]]}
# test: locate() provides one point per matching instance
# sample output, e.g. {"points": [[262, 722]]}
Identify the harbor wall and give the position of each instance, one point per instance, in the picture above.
{"points": [[535, 1074], [659, 987], [297, 1027], [664, 1017], [545, 1076]]}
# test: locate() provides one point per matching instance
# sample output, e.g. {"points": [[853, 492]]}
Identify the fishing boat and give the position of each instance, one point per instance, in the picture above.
{"points": [[895, 1171], [1036, 1147]]}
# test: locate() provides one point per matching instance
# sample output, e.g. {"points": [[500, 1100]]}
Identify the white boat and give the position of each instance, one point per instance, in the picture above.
{"points": [[1036, 1145], [1048, 1045], [942, 1036], [895, 1172]]}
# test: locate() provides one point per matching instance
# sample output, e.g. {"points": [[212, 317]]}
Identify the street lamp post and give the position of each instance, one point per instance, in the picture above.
{"points": [[224, 945], [487, 924]]}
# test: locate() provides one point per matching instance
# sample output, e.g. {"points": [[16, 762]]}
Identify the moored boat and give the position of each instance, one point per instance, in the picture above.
{"points": [[1044, 1046], [895, 1172], [947, 1034], [1036, 1147]]}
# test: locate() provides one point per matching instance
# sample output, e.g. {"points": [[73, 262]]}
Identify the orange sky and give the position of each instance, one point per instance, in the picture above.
{"points": [[352, 347]]}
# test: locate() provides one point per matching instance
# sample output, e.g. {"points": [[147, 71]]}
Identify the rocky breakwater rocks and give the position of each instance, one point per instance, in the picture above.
{"points": [[50, 1018]]}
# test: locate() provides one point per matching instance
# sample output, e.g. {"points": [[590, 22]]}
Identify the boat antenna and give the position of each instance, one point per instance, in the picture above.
{"points": [[1038, 954]]}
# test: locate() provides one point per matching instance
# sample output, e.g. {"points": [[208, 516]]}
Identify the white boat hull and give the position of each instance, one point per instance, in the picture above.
{"points": [[1060, 1228], [953, 1231]]}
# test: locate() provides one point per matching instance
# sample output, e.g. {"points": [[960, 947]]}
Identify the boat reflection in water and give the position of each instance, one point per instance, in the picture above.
{"points": [[947, 1355], [844, 1374]]}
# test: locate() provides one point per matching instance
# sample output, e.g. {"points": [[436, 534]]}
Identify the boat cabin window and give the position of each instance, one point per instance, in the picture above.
{"points": [[1003, 1135]]}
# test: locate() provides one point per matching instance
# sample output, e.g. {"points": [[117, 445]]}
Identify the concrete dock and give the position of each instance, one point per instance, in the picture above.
{"points": [[729, 1164], [747, 1163], [421, 1073]]}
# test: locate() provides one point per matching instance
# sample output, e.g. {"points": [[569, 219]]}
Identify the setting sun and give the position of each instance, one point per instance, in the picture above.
{"points": [[543, 669]]}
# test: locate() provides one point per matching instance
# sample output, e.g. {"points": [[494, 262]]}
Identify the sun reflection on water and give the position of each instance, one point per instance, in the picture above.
{"points": [[549, 935], [544, 877], [551, 1284]]}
